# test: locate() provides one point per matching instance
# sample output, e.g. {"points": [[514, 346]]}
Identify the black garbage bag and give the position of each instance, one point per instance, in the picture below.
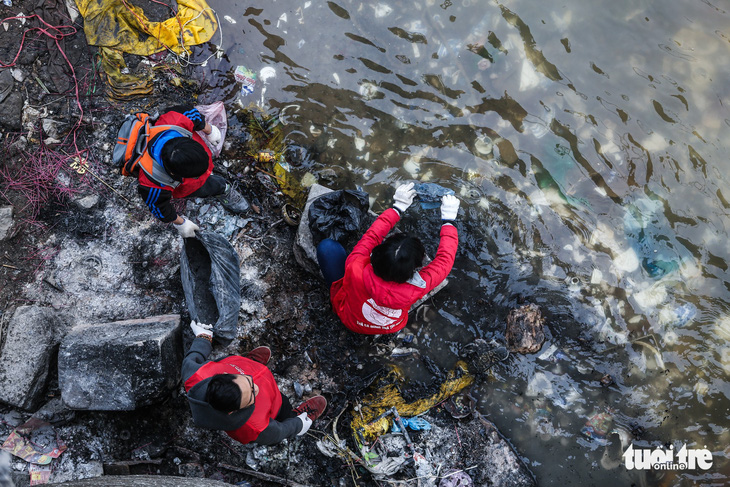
{"points": [[210, 275], [338, 215]]}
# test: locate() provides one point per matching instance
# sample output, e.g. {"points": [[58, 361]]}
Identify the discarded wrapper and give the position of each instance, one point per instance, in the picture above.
{"points": [[39, 474], [246, 78], [23, 443]]}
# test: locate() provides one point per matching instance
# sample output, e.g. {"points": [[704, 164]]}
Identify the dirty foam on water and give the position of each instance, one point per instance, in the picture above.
{"points": [[585, 142]]}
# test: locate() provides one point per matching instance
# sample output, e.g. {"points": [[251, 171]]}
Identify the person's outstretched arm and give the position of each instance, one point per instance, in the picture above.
{"points": [[199, 350], [403, 198], [437, 270], [276, 431]]}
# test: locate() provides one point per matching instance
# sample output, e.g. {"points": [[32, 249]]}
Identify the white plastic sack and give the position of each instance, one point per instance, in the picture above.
{"points": [[215, 114]]}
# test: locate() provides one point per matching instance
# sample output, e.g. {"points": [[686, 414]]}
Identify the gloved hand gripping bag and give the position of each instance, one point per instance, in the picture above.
{"points": [[338, 215], [210, 274], [215, 114]]}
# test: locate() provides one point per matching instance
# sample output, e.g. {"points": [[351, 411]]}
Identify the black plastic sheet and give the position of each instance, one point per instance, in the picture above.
{"points": [[338, 215], [210, 274]]}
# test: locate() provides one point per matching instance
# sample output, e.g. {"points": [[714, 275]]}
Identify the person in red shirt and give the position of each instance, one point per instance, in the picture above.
{"points": [[182, 166], [373, 288], [239, 395]]}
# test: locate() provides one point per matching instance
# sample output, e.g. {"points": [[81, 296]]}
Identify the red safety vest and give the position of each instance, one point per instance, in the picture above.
{"points": [[188, 185], [268, 400]]}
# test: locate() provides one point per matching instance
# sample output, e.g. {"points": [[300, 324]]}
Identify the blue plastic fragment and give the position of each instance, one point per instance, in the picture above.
{"points": [[416, 424]]}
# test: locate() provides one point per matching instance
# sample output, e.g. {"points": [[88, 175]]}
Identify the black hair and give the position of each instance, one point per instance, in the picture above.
{"points": [[397, 258], [223, 393], [184, 158]]}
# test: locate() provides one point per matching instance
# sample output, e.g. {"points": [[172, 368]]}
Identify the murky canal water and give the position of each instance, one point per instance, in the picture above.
{"points": [[587, 142]]}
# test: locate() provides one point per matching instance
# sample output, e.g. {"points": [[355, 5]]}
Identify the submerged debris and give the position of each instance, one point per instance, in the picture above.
{"points": [[524, 331]]}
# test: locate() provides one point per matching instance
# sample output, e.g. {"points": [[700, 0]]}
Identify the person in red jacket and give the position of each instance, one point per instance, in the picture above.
{"points": [[239, 395], [373, 288], [181, 166]]}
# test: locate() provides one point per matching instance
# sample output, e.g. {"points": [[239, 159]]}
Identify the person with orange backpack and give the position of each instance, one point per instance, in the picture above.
{"points": [[239, 395], [171, 160]]}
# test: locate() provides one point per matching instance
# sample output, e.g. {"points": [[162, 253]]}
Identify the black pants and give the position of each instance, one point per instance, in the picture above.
{"points": [[286, 411], [213, 186]]}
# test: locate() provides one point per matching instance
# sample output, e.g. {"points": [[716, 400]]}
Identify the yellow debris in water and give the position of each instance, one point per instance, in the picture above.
{"points": [[387, 395]]}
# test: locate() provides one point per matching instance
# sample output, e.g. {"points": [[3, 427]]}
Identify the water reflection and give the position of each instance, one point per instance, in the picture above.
{"points": [[586, 143]]}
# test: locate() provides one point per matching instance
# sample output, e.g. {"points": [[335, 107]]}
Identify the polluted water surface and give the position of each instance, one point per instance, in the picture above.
{"points": [[587, 145]]}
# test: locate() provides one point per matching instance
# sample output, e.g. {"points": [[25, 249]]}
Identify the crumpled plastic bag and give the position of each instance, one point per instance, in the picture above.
{"points": [[215, 114], [210, 274], [430, 194], [386, 466], [337, 215], [456, 478], [416, 424]]}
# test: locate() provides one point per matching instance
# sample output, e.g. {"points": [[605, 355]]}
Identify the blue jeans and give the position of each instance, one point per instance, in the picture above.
{"points": [[331, 257]]}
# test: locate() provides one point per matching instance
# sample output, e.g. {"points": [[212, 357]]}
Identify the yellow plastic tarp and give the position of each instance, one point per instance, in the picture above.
{"points": [[117, 26], [387, 395]]}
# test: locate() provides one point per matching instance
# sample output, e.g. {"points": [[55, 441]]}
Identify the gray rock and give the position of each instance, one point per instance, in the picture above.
{"points": [[69, 468], [55, 412], [6, 83], [304, 250], [5, 480], [32, 335], [12, 110], [120, 366], [6, 221], [88, 202], [525, 332], [145, 481]]}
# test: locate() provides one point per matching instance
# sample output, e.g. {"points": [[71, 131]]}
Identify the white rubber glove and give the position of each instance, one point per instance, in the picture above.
{"points": [[449, 207], [201, 329], [307, 423], [214, 137], [403, 197], [186, 229]]}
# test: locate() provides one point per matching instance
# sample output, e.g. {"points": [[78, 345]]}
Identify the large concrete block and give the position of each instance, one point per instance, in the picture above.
{"points": [[120, 366], [31, 338]]}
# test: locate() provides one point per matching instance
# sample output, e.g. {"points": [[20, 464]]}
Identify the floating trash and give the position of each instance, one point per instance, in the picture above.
{"points": [[597, 427], [246, 78], [461, 405], [267, 73], [678, 316], [483, 145]]}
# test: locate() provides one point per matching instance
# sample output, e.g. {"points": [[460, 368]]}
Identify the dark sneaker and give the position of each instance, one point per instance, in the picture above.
{"points": [[234, 201], [261, 355], [314, 407]]}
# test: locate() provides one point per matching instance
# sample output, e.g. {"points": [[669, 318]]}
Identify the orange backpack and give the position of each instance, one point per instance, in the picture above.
{"points": [[132, 139]]}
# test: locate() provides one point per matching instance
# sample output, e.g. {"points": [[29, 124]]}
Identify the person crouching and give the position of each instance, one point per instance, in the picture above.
{"points": [[239, 395], [373, 288]]}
